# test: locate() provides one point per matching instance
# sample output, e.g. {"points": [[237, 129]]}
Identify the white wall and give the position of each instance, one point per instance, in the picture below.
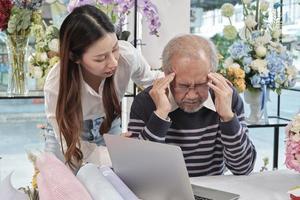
{"points": [[175, 19]]}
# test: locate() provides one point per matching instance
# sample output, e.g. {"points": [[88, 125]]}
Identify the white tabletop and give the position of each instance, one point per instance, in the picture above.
{"points": [[270, 185]]}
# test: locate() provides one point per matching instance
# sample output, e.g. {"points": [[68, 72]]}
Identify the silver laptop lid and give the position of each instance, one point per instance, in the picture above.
{"points": [[151, 170]]}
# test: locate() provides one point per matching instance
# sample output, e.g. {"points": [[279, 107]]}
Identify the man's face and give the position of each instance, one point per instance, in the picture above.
{"points": [[189, 87]]}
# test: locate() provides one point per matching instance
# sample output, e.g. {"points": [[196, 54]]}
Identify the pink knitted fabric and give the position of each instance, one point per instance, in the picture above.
{"points": [[57, 182]]}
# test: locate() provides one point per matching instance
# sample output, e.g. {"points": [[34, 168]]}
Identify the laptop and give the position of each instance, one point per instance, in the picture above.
{"points": [[156, 171]]}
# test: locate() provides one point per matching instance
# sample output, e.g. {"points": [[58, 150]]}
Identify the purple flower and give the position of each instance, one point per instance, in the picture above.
{"points": [[122, 8], [151, 14]]}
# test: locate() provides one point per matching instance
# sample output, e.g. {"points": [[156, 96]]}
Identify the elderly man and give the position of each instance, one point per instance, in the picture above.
{"points": [[196, 109]]}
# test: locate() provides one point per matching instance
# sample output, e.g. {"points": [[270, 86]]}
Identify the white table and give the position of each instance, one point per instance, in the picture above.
{"points": [[270, 185]]}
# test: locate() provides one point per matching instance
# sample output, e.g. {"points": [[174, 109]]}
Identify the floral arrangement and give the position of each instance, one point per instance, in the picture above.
{"points": [[292, 159], [256, 50], [46, 50], [16, 20], [118, 9]]}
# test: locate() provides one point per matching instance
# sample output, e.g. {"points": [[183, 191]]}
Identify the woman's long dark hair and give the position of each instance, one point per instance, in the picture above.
{"points": [[80, 29]]}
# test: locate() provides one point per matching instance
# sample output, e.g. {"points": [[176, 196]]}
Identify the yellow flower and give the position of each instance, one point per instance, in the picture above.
{"points": [[239, 73], [235, 72], [34, 178], [239, 84], [237, 76], [230, 71]]}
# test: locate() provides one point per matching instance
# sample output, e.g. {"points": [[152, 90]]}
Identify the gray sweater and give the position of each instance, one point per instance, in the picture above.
{"points": [[208, 145]]}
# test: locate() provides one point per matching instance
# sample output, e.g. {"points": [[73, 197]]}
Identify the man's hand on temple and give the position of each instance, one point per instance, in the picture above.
{"points": [[159, 94], [223, 96]]}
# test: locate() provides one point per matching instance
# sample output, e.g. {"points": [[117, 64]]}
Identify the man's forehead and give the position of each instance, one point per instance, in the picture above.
{"points": [[185, 79]]}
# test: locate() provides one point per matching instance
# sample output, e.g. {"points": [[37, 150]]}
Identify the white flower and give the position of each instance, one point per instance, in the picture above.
{"points": [[296, 123], [262, 40], [276, 33], [250, 21], [291, 73], [235, 65], [228, 62], [264, 5], [53, 45], [261, 51], [260, 66], [227, 9], [246, 1], [230, 32], [37, 72], [280, 48], [43, 57]]}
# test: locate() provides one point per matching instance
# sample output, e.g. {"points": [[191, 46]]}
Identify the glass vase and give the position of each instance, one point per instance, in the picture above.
{"points": [[257, 105], [17, 46]]}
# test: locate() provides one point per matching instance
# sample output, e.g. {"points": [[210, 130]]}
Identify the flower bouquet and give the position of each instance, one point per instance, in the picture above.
{"points": [[256, 48], [16, 20], [292, 159]]}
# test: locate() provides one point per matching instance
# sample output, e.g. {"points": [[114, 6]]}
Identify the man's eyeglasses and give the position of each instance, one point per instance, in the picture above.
{"points": [[186, 88]]}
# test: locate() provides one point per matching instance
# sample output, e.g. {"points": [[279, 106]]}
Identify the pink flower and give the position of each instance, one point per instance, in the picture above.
{"points": [[292, 159], [292, 131]]}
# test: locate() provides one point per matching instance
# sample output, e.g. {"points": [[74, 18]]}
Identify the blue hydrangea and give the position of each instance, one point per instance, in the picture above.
{"points": [[247, 61], [256, 81], [247, 69], [275, 63], [286, 57], [239, 50]]}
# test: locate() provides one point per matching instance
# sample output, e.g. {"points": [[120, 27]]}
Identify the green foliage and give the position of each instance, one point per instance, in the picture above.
{"points": [[20, 20], [222, 45]]}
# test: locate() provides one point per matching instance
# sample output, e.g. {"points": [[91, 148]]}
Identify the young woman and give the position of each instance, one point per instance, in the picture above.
{"points": [[83, 92]]}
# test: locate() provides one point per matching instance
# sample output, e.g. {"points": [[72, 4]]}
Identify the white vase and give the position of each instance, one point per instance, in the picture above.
{"points": [[258, 113]]}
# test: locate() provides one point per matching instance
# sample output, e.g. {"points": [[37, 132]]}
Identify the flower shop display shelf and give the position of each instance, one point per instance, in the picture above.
{"points": [[274, 122], [38, 94], [33, 94]]}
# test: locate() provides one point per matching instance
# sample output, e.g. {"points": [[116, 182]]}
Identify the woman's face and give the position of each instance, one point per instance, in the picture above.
{"points": [[101, 58]]}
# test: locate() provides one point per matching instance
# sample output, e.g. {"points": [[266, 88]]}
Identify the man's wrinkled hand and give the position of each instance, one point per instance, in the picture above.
{"points": [[159, 95], [223, 95]]}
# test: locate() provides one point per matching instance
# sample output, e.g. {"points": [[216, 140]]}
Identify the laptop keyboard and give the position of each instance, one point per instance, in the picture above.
{"points": [[201, 198]]}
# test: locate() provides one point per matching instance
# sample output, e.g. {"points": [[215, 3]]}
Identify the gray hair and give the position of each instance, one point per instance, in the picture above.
{"points": [[188, 45]]}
